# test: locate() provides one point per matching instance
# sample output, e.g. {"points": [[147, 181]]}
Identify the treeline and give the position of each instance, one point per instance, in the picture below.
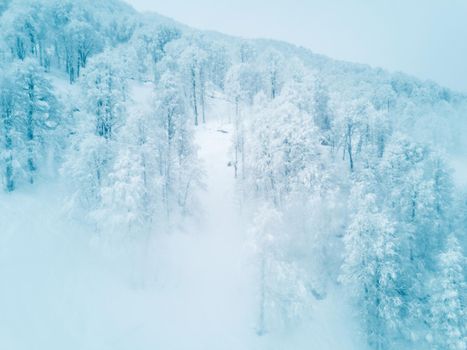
{"points": [[338, 193], [64, 34]]}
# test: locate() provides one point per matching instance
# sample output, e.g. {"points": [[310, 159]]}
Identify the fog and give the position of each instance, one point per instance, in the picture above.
{"points": [[423, 38]]}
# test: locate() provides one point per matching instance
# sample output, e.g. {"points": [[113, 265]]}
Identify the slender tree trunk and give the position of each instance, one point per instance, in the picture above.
{"points": [[242, 148], [349, 147], [168, 184], [30, 132], [78, 68], [195, 99], [261, 330], [237, 141], [203, 105], [7, 123], [202, 94]]}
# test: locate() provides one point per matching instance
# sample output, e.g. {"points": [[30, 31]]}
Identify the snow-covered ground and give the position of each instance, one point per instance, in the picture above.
{"points": [[193, 290], [184, 290]]}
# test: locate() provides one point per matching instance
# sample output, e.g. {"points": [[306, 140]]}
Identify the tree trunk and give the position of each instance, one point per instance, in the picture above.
{"points": [[195, 99], [261, 330], [7, 123], [30, 132]]}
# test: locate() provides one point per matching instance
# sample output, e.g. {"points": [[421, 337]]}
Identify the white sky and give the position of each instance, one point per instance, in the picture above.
{"points": [[426, 38]]}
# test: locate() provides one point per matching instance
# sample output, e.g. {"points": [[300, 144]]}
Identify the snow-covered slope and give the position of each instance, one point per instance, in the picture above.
{"points": [[164, 187], [194, 289]]}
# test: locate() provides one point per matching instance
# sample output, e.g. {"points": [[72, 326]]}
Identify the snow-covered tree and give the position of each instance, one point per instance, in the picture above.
{"points": [[193, 67], [322, 113], [283, 157], [81, 41], [448, 315], [218, 63], [151, 46], [30, 112], [105, 90], [88, 161], [158, 41], [283, 295], [370, 270], [247, 52], [273, 63], [133, 194], [124, 207], [39, 112], [243, 83], [178, 160], [9, 136]]}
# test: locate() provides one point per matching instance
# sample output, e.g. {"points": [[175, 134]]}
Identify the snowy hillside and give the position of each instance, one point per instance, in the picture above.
{"points": [[168, 188]]}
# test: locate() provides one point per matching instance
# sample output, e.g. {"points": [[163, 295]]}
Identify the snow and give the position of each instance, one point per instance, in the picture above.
{"points": [[186, 290], [207, 292]]}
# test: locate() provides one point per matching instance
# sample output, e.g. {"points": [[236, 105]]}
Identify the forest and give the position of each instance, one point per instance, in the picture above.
{"points": [[167, 187]]}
